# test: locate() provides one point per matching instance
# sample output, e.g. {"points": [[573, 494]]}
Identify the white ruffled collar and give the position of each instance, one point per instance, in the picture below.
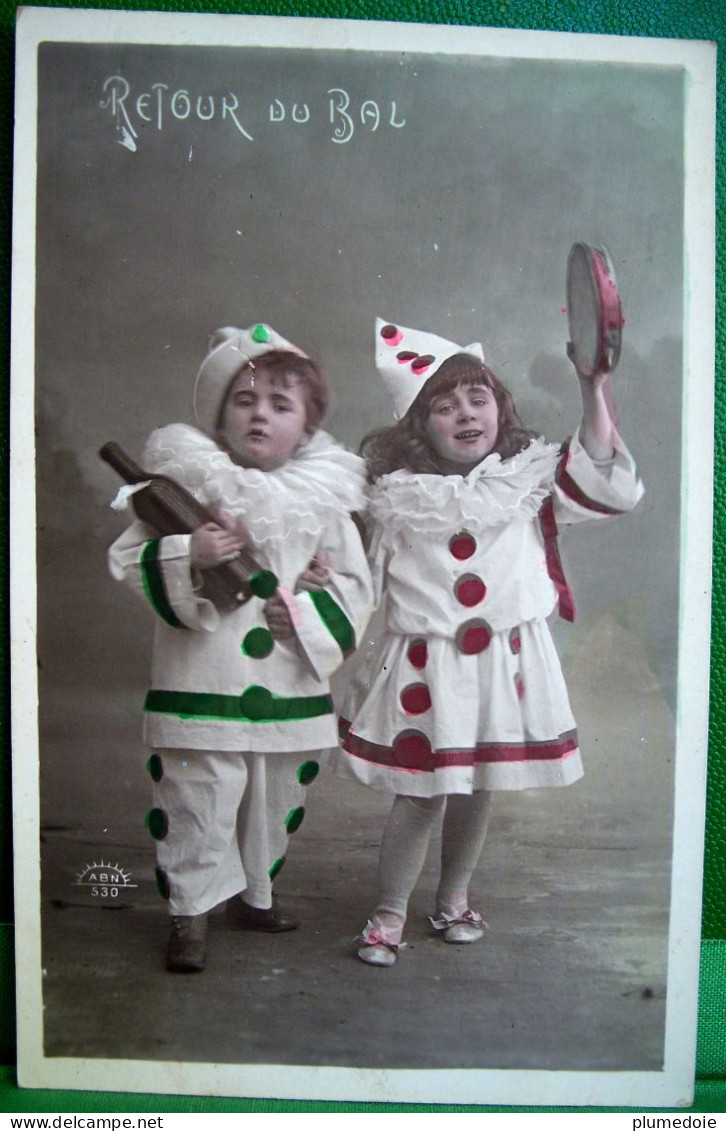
{"points": [[494, 492], [319, 481]]}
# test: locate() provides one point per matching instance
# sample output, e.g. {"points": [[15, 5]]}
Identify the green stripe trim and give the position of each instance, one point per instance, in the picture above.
{"points": [[255, 705], [334, 620], [153, 583]]}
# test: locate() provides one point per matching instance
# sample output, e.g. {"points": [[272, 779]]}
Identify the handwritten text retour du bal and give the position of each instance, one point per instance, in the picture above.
{"points": [[160, 104]]}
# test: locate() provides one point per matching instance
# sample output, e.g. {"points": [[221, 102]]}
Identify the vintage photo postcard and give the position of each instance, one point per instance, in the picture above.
{"points": [[360, 773]]}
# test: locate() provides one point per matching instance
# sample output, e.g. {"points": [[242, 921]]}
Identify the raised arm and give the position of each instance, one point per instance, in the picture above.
{"points": [[598, 431]]}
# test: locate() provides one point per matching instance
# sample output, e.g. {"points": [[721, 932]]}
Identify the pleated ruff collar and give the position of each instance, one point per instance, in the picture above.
{"points": [[320, 481], [496, 491]]}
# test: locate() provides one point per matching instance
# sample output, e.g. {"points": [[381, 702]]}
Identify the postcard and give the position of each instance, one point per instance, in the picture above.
{"points": [[343, 776]]}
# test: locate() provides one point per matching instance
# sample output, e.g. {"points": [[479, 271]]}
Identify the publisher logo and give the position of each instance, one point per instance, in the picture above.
{"points": [[104, 881]]}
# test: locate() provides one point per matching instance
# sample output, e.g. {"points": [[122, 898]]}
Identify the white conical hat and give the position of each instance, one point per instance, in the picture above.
{"points": [[230, 349], [406, 358]]}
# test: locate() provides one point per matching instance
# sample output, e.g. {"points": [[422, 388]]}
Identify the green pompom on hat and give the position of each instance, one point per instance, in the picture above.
{"points": [[229, 350]]}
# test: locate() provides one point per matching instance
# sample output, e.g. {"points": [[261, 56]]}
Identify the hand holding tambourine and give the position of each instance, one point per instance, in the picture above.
{"points": [[594, 312]]}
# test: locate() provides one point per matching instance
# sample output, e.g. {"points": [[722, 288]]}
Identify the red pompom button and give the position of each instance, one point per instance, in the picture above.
{"points": [[470, 590], [412, 750], [462, 546], [474, 636], [415, 699], [418, 654]]}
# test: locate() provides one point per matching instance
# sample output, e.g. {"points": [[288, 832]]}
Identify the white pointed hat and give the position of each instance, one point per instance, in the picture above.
{"points": [[230, 349], [406, 358]]}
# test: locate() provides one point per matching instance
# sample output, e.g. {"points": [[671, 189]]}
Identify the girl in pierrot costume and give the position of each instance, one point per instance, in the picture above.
{"points": [[467, 694]]}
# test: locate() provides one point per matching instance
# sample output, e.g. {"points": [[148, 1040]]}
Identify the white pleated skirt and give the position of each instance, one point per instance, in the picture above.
{"points": [[423, 717]]}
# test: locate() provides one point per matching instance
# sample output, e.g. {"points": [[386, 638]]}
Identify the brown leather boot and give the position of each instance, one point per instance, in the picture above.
{"points": [[242, 917], [187, 948]]}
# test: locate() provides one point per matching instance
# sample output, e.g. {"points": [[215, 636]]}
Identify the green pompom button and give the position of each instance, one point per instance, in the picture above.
{"points": [[256, 703], [294, 819], [258, 643], [307, 772], [263, 583]]}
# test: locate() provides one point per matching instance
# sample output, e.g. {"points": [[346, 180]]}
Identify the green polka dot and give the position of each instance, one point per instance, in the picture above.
{"points": [[260, 333], [162, 883], [155, 767], [258, 643], [263, 583], [294, 819], [256, 703], [157, 823], [276, 867], [307, 772]]}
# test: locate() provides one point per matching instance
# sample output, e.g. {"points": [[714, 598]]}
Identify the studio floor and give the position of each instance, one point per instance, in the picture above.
{"points": [[574, 885]]}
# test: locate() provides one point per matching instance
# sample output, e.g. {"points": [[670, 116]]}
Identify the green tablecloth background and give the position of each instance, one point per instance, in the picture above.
{"points": [[685, 19]]}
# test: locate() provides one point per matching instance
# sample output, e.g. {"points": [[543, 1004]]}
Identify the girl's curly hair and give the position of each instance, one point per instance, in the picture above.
{"points": [[405, 444]]}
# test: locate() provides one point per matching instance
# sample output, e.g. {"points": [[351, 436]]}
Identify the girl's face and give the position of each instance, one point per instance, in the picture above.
{"points": [[264, 422], [462, 426]]}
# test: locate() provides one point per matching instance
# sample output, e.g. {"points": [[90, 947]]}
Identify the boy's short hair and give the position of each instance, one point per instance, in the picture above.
{"points": [[281, 365], [231, 349]]}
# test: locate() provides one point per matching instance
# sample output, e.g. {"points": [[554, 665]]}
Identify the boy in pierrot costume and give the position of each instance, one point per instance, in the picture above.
{"points": [[239, 705]]}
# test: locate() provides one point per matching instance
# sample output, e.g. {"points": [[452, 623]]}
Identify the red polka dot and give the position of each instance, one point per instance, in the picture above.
{"points": [[412, 749], [415, 699], [515, 641], [519, 686], [473, 637], [391, 335], [470, 590], [421, 364], [462, 546], [418, 654]]}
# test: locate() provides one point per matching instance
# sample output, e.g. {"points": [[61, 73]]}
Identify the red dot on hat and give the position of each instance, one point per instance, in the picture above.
{"points": [[473, 637], [418, 654], [421, 364], [470, 590], [415, 699], [391, 335], [404, 356], [412, 749], [462, 546]]}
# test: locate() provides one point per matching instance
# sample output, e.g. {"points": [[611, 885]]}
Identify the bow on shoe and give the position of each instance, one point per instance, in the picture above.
{"points": [[472, 918], [373, 936]]}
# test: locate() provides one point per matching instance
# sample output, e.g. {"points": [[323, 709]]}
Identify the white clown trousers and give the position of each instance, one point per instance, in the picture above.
{"points": [[222, 822]]}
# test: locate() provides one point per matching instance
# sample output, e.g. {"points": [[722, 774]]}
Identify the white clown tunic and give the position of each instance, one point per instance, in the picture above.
{"points": [[218, 680], [468, 692], [237, 718]]}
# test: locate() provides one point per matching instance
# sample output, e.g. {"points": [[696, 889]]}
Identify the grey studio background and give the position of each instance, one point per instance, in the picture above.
{"points": [[181, 189]]}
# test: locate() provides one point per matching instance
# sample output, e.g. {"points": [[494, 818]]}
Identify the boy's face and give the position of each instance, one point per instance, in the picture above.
{"points": [[263, 422], [463, 424]]}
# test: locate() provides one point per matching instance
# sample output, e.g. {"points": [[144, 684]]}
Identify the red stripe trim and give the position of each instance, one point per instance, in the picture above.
{"points": [[548, 525], [491, 752], [569, 487]]}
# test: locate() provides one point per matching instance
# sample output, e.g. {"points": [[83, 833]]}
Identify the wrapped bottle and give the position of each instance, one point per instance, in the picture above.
{"points": [[171, 509]]}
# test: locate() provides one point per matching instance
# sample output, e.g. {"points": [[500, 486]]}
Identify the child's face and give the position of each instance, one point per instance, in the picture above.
{"points": [[263, 422], [462, 425]]}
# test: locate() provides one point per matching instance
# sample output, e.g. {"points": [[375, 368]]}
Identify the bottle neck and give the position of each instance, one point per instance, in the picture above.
{"points": [[116, 457]]}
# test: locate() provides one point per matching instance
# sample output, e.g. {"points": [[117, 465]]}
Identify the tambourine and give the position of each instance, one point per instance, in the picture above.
{"points": [[594, 312]]}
